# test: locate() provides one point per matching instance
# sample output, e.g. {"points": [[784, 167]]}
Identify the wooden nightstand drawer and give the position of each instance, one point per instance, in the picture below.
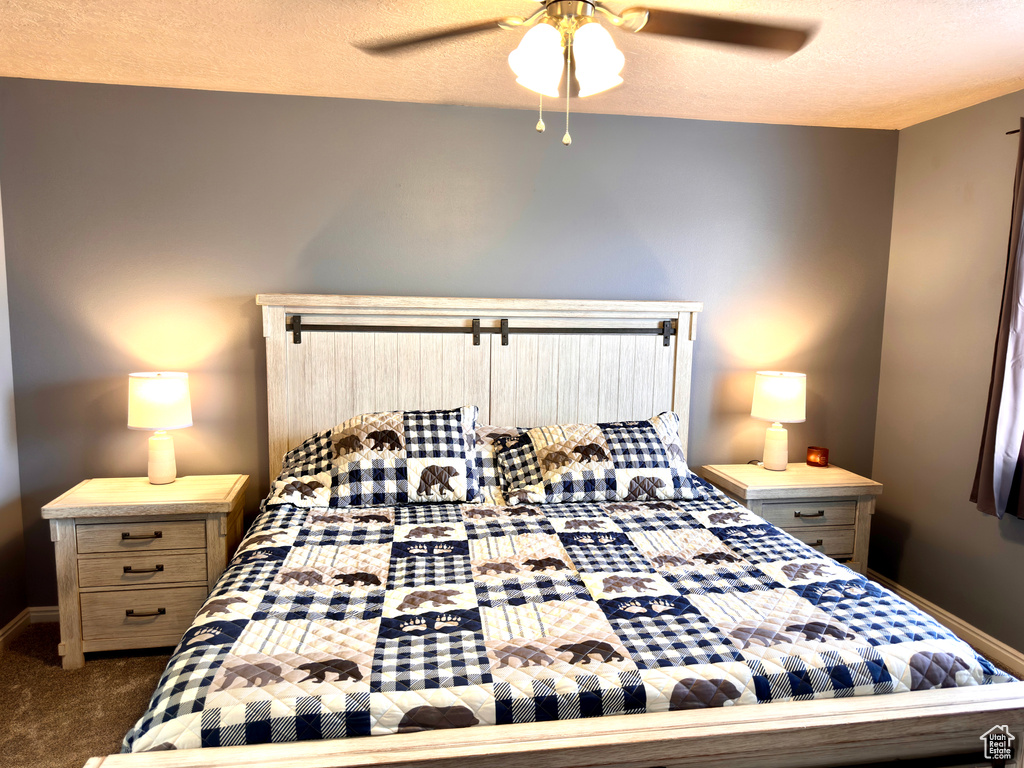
{"points": [[830, 541], [142, 568], [801, 514], [132, 537], [157, 612]]}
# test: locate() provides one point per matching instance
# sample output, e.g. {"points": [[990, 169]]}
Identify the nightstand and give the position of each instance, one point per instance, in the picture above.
{"points": [[135, 561], [825, 507]]}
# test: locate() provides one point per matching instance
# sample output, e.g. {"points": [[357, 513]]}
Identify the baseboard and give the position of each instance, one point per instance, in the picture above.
{"points": [[34, 614], [13, 628], [999, 653], [43, 613]]}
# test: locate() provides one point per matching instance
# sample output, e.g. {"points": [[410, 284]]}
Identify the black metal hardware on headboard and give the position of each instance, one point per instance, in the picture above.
{"points": [[293, 323]]}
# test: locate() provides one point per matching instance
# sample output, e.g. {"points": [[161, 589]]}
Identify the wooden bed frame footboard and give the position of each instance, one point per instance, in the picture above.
{"points": [[422, 353], [838, 732]]}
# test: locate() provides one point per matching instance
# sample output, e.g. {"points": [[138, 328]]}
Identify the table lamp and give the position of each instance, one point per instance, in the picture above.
{"points": [[159, 401], [778, 397]]}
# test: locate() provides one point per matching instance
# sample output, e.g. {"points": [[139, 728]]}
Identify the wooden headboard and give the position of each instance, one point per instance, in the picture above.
{"points": [[558, 361]]}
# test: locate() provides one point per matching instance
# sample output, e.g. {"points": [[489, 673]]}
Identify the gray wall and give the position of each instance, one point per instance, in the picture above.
{"points": [[140, 222], [12, 540], [951, 224]]}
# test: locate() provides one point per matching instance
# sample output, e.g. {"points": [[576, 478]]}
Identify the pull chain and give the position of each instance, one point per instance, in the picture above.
{"points": [[567, 139], [540, 115]]}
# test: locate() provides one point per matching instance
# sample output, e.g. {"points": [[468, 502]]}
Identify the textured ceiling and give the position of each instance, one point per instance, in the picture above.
{"points": [[872, 64]]}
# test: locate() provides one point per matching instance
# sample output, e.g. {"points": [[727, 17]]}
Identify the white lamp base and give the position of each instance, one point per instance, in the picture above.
{"points": [[776, 447], [162, 469]]}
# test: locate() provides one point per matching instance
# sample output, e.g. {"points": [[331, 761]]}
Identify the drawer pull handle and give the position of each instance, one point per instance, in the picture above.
{"points": [[136, 536], [145, 614], [818, 543], [819, 513], [155, 569]]}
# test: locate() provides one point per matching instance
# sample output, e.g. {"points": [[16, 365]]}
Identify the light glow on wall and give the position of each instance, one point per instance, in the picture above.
{"points": [[767, 338], [177, 337]]}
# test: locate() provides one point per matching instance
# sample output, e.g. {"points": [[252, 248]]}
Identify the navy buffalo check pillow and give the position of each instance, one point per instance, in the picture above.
{"points": [[489, 477], [382, 459], [617, 461]]}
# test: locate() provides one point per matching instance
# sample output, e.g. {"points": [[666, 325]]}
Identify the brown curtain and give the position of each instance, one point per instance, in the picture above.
{"points": [[997, 482]]}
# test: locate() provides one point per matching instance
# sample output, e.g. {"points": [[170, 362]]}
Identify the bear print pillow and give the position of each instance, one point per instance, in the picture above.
{"points": [[395, 457], [302, 490], [489, 477], [617, 461]]}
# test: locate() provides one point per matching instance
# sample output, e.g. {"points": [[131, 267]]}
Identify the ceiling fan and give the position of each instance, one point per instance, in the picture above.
{"points": [[566, 36]]}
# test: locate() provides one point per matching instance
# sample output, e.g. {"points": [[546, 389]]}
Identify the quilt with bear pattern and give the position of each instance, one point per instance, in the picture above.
{"points": [[336, 622]]}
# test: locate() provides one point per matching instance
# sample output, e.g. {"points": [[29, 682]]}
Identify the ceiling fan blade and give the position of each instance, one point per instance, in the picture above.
{"points": [[696, 26], [432, 36]]}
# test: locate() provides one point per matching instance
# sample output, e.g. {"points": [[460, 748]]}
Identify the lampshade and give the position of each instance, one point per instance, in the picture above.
{"points": [[539, 59], [779, 396], [597, 60], [158, 401]]}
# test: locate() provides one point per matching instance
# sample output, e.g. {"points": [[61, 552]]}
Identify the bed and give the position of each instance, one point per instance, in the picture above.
{"points": [[590, 648]]}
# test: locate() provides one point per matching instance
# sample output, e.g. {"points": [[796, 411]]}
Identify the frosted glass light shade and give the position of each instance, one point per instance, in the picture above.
{"points": [[539, 59], [158, 401], [597, 60], [779, 396]]}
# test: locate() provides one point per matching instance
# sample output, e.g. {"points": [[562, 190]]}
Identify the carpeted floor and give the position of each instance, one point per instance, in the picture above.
{"points": [[50, 718]]}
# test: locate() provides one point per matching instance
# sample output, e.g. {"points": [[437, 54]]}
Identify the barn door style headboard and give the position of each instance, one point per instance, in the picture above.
{"points": [[524, 362]]}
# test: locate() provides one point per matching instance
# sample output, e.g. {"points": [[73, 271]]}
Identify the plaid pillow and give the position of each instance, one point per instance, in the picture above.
{"points": [[489, 477], [395, 457], [617, 461]]}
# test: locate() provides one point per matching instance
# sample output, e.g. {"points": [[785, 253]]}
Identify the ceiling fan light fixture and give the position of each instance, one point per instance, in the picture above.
{"points": [[591, 87], [597, 61], [538, 60]]}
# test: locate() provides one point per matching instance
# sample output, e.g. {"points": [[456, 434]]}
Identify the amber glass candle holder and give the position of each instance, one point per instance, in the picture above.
{"points": [[817, 457]]}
